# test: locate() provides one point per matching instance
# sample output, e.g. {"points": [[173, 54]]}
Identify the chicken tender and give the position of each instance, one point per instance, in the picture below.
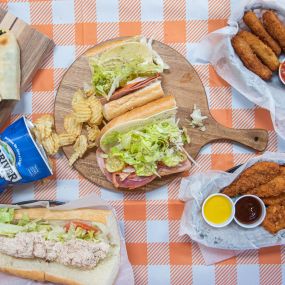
{"points": [[249, 59], [275, 218], [255, 25], [274, 200], [254, 176], [264, 52], [274, 27], [274, 187]]}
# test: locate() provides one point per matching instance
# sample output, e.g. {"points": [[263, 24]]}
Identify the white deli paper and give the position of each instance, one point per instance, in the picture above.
{"points": [[196, 188], [216, 48], [125, 275]]}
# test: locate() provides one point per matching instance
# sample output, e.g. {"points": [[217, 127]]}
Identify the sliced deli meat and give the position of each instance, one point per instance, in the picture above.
{"points": [[130, 180]]}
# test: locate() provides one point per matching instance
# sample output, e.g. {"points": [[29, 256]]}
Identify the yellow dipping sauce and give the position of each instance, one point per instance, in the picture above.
{"points": [[217, 209]]}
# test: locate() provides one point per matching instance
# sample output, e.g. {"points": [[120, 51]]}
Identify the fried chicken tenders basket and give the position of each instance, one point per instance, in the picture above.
{"points": [[195, 189]]}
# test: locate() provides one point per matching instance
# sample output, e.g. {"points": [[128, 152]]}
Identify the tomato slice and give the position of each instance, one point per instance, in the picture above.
{"points": [[81, 225]]}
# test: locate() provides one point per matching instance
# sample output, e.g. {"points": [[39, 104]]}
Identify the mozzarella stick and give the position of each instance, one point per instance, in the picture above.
{"points": [[255, 25], [264, 52], [249, 59], [274, 27]]}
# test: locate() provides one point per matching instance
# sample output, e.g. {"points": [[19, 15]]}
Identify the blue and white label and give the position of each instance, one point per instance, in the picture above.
{"points": [[22, 159], [8, 170]]}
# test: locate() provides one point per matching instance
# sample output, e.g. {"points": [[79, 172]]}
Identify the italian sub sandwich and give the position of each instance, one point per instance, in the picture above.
{"points": [[143, 144], [66, 247], [149, 93], [122, 66]]}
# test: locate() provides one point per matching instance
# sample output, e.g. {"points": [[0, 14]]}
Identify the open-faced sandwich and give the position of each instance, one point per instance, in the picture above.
{"points": [[143, 144], [78, 247], [121, 67]]}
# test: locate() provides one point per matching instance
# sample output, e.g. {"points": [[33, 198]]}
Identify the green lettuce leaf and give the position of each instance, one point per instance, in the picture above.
{"points": [[24, 220], [145, 147], [9, 230], [7, 215]]}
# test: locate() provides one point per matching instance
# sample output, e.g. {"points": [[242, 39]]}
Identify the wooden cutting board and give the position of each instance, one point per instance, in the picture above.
{"points": [[181, 81], [34, 47]]}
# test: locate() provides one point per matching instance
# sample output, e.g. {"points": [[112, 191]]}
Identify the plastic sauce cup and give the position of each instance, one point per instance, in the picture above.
{"points": [[218, 210], [282, 72], [249, 209]]}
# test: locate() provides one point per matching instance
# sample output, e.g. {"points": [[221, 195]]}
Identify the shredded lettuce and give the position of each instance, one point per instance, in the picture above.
{"points": [[106, 78], [6, 215], [10, 230], [197, 119], [10, 227], [144, 148], [24, 220]]}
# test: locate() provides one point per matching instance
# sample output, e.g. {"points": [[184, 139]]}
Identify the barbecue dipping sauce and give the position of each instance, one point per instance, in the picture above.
{"points": [[248, 210]]}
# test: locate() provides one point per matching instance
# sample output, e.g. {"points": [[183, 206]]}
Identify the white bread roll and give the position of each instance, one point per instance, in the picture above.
{"points": [[162, 108], [103, 274], [136, 99], [104, 46]]}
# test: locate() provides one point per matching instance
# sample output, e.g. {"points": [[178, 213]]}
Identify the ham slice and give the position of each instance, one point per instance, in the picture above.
{"points": [[131, 87], [132, 181]]}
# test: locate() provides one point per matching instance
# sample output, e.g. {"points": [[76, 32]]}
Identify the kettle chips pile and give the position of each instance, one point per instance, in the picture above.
{"points": [[86, 115]]}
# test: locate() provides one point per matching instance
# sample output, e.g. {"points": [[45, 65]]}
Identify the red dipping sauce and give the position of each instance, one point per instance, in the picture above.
{"points": [[282, 72]]}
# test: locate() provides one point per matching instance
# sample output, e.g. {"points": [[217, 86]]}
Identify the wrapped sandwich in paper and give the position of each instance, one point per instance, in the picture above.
{"points": [[10, 74]]}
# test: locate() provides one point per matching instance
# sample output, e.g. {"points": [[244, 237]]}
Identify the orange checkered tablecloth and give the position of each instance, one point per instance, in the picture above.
{"points": [[149, 221]]}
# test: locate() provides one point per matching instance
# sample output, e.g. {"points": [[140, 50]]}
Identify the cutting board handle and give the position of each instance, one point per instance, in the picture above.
{"points": [[254, 138]]}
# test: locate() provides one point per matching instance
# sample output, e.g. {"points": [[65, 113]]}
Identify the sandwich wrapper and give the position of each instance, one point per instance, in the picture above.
{"points": [[218, 244], [216, 48], [125, 275]]}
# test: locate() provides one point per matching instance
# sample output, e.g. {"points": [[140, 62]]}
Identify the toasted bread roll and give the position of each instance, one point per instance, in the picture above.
{"points": [[139, 98]]}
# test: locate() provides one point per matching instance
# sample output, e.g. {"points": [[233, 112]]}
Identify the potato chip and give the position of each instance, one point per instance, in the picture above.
{"points": [[88, 90], [82, 111], [92, 133], [80, 148], [97, 111], [91, 145], [43, 127], [36, 134], [51, 144], [66, 139], [71, 125]]}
